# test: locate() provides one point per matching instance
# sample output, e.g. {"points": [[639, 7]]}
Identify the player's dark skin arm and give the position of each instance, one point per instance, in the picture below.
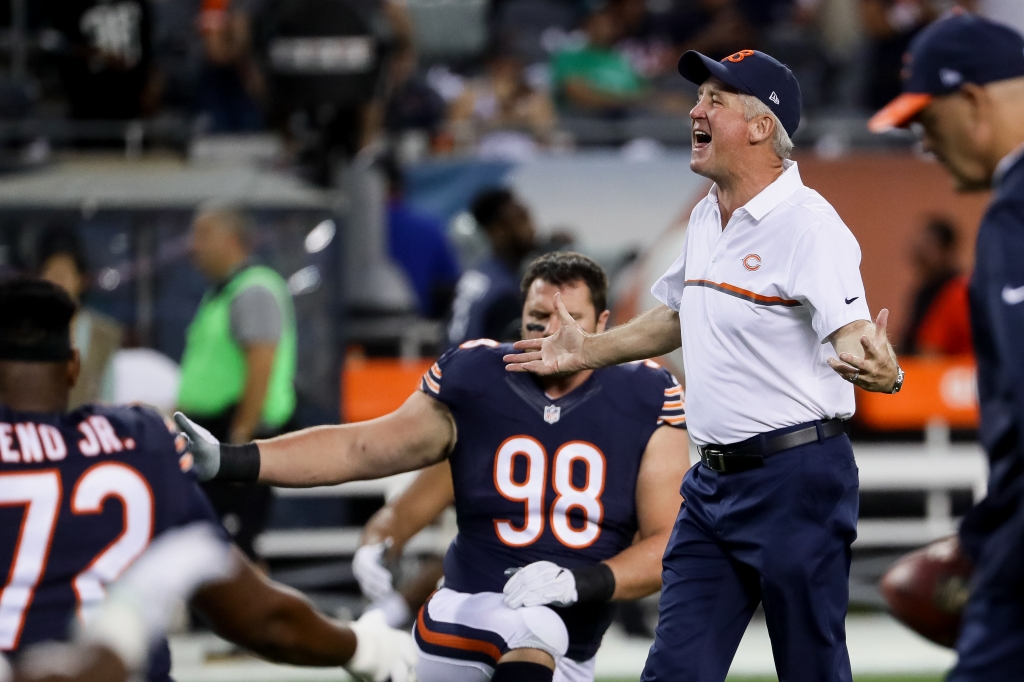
{"points": [[275, 622], [637, 568], [96, 664], [412, 511], [419, 433]]}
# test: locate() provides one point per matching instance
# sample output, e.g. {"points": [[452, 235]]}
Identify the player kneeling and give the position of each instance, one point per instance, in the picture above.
{"points": [[574, 477]]}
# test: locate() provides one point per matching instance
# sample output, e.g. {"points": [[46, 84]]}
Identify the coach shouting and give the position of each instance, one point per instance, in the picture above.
{"points": [[766, 291], [964, 83]]}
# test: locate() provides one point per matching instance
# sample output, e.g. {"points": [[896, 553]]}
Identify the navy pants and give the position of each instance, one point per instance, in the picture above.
{"points": [[778, 535]]}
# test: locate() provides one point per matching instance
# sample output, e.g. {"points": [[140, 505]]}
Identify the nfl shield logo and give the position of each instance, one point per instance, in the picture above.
{"points": [[552, 413]]}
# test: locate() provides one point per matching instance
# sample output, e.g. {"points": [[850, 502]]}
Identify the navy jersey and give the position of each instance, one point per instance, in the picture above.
{"points": [[541, 479], [81, 496]]}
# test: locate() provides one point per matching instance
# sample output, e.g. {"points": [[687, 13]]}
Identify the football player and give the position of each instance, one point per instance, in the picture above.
{"points": [[571, 482], [83, 493]]}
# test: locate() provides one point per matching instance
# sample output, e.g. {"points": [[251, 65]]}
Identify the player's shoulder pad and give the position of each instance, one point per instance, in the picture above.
{"points": [[656, 390], [471, 364]]}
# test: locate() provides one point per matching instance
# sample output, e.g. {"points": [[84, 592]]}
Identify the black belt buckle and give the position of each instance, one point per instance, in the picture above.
{"points": [[713, 459], [724, 463]]}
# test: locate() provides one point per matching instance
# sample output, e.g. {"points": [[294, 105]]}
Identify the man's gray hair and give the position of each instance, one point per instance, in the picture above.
{"points": [[782, 145], [230, 214]]}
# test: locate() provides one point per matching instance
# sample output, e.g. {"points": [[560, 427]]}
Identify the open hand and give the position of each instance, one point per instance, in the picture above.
{"points": [[560, 353], [876, 369]]}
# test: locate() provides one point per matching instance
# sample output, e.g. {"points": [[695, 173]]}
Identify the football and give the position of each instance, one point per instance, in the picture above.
{"points": [[927, 589]]}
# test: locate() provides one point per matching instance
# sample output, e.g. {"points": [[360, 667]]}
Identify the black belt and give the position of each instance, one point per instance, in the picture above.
{"points": [[750, 454]]}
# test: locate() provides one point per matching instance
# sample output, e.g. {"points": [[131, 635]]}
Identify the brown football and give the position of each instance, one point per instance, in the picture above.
{"points": [[927, 590]]}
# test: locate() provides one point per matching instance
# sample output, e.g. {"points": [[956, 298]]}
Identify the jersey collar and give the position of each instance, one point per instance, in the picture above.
{"points": [[777, 192], [772, 195]]}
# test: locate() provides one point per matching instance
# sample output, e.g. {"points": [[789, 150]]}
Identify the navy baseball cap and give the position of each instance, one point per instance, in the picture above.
{"points": [[959, 48], [754, 73]]}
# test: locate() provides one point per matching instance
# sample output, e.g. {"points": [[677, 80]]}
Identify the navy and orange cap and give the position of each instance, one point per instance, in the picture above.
{"points": [[753, 73], [959, 48]]}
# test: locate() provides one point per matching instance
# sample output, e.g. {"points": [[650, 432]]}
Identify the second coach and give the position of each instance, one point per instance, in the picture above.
{"points": [[768, 302]]}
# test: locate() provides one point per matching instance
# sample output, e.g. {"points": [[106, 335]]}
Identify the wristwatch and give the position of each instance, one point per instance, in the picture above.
{"points": [[899, 380]]}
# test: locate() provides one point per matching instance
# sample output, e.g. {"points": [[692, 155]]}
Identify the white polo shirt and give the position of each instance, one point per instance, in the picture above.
{"points": [[756, 303]]}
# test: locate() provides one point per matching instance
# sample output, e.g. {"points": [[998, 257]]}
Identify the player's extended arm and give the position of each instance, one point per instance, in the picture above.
{"points": [[388, 530], [571, 349], [281, 625], [274, 621], [637, 569], [865, 356], [419, 433]]}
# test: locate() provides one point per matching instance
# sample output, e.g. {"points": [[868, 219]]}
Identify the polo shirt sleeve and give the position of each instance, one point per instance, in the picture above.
{"points": [[825, 276], [669, 289]]}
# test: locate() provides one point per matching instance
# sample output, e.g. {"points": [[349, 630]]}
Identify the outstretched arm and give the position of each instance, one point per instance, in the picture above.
{"points": [[419, 433], [273, 621], [571, 349], [637, 568]]}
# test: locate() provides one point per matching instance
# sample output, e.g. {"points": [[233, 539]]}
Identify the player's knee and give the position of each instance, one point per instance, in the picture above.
{"points": [[540, 628], [536, 656]]}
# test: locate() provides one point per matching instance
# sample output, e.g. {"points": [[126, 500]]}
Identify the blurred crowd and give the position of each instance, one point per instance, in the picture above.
{"points": [[499, 77]]}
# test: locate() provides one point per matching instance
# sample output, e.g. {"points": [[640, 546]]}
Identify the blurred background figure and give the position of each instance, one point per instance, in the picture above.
{"points": [[594, 77], [940, 317], [890, 26], [418, 244], [716, 28], [488, 302], [501, 103], [231, 85], [106, 57], [96, 336], [238, 368]]}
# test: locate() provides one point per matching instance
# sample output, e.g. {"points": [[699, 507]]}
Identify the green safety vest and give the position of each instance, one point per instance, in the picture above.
{"points": [[213, 366]]}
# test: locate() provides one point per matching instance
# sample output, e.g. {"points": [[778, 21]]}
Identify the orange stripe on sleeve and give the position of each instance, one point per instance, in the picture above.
{"points": [[433, 385]]}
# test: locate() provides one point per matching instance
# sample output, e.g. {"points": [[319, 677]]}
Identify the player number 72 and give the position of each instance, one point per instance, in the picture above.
{"points": [[40, 492], [531, 491]]}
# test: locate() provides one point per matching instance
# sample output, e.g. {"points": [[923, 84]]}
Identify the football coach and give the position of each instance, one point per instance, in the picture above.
{"points": [[767, 301], [964, 85]]}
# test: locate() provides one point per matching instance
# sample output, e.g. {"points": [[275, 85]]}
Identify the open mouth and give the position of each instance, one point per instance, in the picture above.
{"points": [[701, 139]]}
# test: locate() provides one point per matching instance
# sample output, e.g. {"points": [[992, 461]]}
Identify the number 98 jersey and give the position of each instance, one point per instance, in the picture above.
{"points": [[541, 479], [81, 496]]}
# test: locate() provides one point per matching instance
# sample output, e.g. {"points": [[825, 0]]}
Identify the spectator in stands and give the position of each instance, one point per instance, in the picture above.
{"points": [[488, 301], [107, 56], [716, 28], [940, 318], [230, 82], [502, 101], [890, 26], [418, 244], [96, 336], [238, 367], [595, 77]]}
